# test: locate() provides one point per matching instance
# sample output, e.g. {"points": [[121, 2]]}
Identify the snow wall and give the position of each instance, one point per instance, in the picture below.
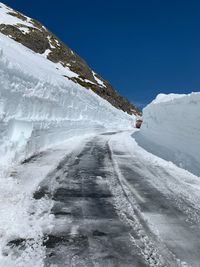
{"points": [[41, 107], [171, 129]]}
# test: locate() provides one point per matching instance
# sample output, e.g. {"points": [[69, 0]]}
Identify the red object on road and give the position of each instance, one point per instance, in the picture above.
{"points": [[138, 123]]}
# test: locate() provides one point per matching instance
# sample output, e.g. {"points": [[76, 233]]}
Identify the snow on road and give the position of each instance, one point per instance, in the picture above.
{"points": [[71, 195], [167, 197], [22, 217], [101, 201]]}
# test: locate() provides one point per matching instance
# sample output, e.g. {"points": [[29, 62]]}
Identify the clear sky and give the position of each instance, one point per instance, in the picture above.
{"points": [[142, 47]]}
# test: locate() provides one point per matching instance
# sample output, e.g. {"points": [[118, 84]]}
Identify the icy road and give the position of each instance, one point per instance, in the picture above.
{"points": [[114, 204]]}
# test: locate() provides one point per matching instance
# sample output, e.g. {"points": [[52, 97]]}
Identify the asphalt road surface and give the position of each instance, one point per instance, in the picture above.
{"points": [[108, 214]]}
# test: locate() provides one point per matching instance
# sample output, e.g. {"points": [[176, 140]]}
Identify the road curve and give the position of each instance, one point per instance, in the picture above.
{"points": [[107, 214], [88, 230]]}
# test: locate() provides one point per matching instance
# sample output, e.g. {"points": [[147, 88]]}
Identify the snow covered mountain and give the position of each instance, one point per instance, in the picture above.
{"points": [[35, 36]]}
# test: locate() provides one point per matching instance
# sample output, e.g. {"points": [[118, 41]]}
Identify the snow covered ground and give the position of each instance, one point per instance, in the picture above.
{"points": [[171, 129]]}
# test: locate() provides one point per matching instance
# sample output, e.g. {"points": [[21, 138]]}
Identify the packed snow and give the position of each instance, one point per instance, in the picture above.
{"points": [[171, 129]]}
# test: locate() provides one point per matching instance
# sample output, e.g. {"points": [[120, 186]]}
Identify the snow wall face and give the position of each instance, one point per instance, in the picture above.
{"points": [[171, 129], [39, 107]]}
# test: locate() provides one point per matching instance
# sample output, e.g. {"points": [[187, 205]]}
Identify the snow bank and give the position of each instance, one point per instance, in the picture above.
{"points": [[40, 107], [171, 129]]}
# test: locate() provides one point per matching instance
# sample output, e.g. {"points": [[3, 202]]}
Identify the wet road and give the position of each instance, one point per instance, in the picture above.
{"points": [[88, 230], [107, 214]]}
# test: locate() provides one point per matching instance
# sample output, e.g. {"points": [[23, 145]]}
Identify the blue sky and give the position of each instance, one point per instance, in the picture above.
{"points": [[142, 47]]}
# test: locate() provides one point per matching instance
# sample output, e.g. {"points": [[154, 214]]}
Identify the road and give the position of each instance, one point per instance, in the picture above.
{"points": [[108, 213]]}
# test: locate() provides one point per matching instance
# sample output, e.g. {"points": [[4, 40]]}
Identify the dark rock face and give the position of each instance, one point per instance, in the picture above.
{"points": [[36, 37]]}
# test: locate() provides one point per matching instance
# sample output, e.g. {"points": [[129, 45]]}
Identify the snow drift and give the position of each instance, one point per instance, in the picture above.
{"points": [[41, 107], [171, 129]]}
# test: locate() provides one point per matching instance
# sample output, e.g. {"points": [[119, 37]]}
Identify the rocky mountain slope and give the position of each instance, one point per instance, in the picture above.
{"points": [[35, 36]]}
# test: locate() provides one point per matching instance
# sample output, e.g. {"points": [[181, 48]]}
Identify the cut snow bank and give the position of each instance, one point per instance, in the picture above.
{"points": [[40, 107], [171, 129]]}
